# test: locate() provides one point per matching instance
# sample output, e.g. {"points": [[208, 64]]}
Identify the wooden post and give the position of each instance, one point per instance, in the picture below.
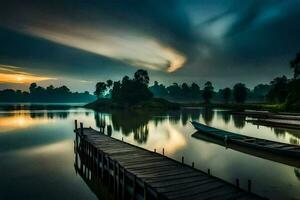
{"points": [[208, 171], [114, 176], [109, 130], [123, 186], [237, 181], [193, 164], [163, 151], [97, 164], [249, 185], [155, 150], [134, 188], [75, 125], [102, 166], [182, 159], [76, 136], [118, 180], [145, 191], [81, 128], [122, 139]]}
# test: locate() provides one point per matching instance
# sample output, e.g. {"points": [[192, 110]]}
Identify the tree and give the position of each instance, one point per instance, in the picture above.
{"points": [[109, 83], [279, 90], [32, 87], [208, 92], [226, 93], [100, 89], [141, 76], [195, 91], [158, 90], [240, 92], [295, 64], [185, 90], [132, 91]]}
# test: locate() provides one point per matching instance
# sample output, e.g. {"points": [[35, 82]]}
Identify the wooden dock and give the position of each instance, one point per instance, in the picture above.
{"points": [[135, 173]]}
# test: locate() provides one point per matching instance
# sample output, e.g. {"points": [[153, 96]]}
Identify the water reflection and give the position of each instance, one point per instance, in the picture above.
{"points": [[239, 121], [208, 116], [22, 130], [297, 173], [136, 122], [225, 116], [19, 121]]}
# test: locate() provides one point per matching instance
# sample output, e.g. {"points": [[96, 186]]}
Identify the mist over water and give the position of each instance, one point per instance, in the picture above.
{"points": [[36, 150]]}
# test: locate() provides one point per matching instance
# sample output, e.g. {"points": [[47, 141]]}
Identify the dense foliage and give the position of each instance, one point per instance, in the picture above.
{"points": [[127, 92], [240, 92], [40, 94]]}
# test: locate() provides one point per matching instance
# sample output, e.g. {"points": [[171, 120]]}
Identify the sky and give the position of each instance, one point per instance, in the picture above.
{"points": [[80, 42]]}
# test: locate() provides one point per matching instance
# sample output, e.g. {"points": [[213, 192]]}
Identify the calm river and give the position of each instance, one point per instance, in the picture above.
{"points": [[37, 156]]}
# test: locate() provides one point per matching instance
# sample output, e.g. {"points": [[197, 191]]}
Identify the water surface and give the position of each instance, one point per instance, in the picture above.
{"points": [[37, 157]]}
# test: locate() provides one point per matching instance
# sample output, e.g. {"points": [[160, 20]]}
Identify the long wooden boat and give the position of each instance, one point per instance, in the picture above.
{"points": [[273, 147]]}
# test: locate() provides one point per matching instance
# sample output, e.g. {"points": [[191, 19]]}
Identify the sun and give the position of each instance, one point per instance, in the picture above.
{"points": [[19, 78]]}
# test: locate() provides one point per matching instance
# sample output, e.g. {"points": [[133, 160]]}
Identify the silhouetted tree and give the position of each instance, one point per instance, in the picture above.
{"points": [[195, 91], [295, 64], [240, 92], [279, 90], [260, 91], [158, 90], [226, 93], [32, 87], [141, 76], [132, 91], [174, 90], [208, 92], [185, 90], [100, 89], [109, 83]]}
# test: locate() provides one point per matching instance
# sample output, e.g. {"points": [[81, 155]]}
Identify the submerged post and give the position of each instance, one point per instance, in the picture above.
{"points": [[76, 125], [208, 171], [76, 136], [109, 130], [237, 181], [163, 151], [193, 164], [182, 159], [81, 128], [249, 185]]}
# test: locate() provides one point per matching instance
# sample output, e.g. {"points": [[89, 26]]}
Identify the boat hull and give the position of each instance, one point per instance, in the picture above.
{"points": [[260, 144]]}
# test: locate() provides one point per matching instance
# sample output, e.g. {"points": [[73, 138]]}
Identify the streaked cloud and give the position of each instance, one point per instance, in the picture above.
{"points": [[12, 74], [128, 47]]}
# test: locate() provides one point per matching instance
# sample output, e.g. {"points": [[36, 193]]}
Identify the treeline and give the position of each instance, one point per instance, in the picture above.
{"points": [[49, 94], [184, 92], [281, 90]]}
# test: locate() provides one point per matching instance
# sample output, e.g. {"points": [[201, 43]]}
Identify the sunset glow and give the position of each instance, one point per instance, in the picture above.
{"points": [[11, 74]]}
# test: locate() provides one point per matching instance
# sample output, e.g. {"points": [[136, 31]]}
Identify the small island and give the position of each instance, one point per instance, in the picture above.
{"points": [[129, 93]]}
